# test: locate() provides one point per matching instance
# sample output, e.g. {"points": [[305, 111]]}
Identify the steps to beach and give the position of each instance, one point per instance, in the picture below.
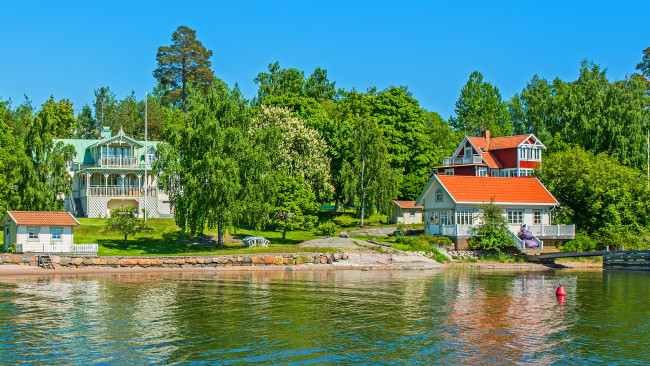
{"points": [[45, 261]]}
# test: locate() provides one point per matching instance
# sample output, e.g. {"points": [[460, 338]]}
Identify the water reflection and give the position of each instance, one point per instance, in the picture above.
{"points": [[337, 317]]}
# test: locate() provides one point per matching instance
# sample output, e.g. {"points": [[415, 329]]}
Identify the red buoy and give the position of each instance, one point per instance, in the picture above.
{"points": [[561, 299], [560, 291]]}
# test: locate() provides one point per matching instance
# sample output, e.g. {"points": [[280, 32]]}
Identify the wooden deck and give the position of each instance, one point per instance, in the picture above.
{"points": [[638, 260]]}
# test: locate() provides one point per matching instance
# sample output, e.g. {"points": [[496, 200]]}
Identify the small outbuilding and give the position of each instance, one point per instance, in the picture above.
{"points": [[30, 231], [407, 213]]}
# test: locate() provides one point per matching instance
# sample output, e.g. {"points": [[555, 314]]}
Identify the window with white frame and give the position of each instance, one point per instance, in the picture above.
{"points": [[537, 217], [515, 217], [464, 217], [449, 171], [468, 152], [482, 172], [438, 195], [32, 233], [446, 218], [56, 233], [536, 153]]}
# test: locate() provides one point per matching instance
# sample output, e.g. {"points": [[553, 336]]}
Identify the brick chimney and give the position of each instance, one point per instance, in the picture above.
{"points": [[486, 135]]}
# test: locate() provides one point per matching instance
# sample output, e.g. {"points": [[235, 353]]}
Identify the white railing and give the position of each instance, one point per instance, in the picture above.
{"points": [[553, 231], [457, 231], [474, 159], [118, 162], [519, 243], [119, 191], [83, 249]]}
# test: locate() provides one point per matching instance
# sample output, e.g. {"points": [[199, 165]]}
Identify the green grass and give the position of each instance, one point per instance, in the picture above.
{"points": [[346, 220], [419, 245], [166, 236]]}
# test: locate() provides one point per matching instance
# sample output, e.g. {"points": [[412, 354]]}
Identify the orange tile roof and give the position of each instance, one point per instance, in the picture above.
{"points": [[407, 204], [503, 190], [507, 142], [480, 142], [43, 218]]}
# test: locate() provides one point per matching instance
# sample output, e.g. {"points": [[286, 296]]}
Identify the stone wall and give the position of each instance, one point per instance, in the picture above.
{"points": [[179, 262]]}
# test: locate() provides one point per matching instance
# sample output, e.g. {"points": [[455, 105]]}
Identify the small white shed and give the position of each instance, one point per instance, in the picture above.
{"points": [[407, 213], [31, 230]]}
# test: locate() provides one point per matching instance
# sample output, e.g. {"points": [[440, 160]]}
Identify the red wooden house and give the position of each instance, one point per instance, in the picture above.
{"points": [[511, 156]]}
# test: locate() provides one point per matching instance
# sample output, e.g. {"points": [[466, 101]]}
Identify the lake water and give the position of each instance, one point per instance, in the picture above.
{"points": [[322, 318]]}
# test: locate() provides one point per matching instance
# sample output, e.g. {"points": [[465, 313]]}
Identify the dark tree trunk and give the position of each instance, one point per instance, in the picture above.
{"points": [[284, 235], [125, 236]]}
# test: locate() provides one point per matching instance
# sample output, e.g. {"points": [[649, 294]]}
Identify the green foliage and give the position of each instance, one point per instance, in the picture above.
{"points": [[327, 228], [492, 233], [582, 243], [295, 206], [600, 195], [590, 112], [213, 170], [185, 62], [400, 233], [87, 126], [124, 221], [644, 65], [369, 179], [480, 107]]}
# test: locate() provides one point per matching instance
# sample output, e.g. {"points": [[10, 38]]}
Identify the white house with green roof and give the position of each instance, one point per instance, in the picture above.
{"points": [[110, 172]]}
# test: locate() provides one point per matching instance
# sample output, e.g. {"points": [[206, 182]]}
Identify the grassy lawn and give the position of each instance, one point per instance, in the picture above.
{"points": [[346, 220], [166, 236]]}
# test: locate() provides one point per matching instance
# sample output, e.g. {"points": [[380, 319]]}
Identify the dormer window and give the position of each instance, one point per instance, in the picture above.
{"points": [[468, 152], [439, 195], [482, 149]]}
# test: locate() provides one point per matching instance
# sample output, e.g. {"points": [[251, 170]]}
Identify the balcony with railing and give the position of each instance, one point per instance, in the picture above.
{"points": [[120, 191], [463, 160], [117, 162]]}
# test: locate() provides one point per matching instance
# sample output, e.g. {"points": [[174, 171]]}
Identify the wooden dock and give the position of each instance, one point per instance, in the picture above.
{"points": [[638, 260]]}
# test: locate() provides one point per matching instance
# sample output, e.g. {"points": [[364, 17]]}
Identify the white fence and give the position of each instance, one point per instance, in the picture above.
{"points": [[553, 231], [80, 249]]}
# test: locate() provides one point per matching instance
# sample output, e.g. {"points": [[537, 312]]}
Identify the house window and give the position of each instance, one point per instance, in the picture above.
{"points": [[56, 233], [468, 152], [446, 218], [482, 172], [32, 233], [464, 217], [439, 195], [449, 172], [515, 217], [537, 217]]}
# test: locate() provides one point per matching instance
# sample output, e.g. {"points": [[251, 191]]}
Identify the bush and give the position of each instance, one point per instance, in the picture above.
{"points": [[492, 233], [11, 248], [328, 228], [582, 243]]}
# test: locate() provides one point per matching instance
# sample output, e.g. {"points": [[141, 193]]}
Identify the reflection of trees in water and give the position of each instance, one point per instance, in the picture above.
{"points": [[500, 318]]}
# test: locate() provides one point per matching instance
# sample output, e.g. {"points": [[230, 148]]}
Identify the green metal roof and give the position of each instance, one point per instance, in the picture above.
{"points": [[83, 154]]}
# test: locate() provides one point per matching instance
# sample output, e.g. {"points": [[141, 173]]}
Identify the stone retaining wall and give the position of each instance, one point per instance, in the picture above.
{"points": [[178, 262]]}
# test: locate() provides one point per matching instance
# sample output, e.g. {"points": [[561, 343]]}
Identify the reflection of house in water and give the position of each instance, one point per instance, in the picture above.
{"points": [[504, 321]]}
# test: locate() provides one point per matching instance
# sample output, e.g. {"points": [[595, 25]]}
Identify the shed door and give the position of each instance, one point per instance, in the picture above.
{"points": [[6, 238]]}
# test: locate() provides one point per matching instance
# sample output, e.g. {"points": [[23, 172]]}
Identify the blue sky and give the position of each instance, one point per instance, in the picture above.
{"points": [[68, 49]]}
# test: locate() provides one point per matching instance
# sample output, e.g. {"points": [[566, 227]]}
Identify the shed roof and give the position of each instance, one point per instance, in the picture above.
{"points": [[42, 218], [407, 204]]}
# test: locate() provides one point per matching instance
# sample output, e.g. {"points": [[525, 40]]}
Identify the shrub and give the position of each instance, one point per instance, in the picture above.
{"points": [[492, 233], [582, 243], [400, 233], [328, 228]]}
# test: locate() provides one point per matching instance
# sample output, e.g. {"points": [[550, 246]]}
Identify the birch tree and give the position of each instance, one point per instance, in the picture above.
{"points": [[368, 178]]}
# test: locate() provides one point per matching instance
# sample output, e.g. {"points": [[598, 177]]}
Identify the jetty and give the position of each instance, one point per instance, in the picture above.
{"points": [[612, 260]]}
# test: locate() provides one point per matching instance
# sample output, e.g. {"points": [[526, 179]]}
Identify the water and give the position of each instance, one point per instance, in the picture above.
{"points": [[318, 318]]}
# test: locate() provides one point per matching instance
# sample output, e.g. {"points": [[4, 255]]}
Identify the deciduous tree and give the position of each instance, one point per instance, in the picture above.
{"points": [[124, 220]]}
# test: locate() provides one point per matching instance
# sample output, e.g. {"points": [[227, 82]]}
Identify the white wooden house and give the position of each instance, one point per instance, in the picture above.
{"points": [[451, 206], [32, 231]]}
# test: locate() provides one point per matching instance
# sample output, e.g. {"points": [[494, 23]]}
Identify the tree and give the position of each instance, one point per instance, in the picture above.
{"points": [[295, 206], [492, 233], [480, 107], [644, 65], [105, 107], [61, 117], [11, 156], [600, 196], [278, 82], [295, 149], [369, 179], [87, 127], [124, 220], [185, 62], [44, 176], [213, 171]]}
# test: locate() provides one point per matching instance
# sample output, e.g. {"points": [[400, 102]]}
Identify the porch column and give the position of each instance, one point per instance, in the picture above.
{"points": [[87, 184], [105, 184], [122, 175]]}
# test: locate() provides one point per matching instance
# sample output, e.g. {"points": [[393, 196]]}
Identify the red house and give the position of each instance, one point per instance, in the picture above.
{"points": [[511, 156]]}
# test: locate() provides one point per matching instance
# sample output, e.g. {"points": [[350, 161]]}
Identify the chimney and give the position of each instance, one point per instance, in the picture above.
{"points": [[486, 135]]}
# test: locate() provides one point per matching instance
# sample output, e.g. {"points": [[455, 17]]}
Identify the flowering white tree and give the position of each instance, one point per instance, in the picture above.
{"points": [[297, 150]]}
